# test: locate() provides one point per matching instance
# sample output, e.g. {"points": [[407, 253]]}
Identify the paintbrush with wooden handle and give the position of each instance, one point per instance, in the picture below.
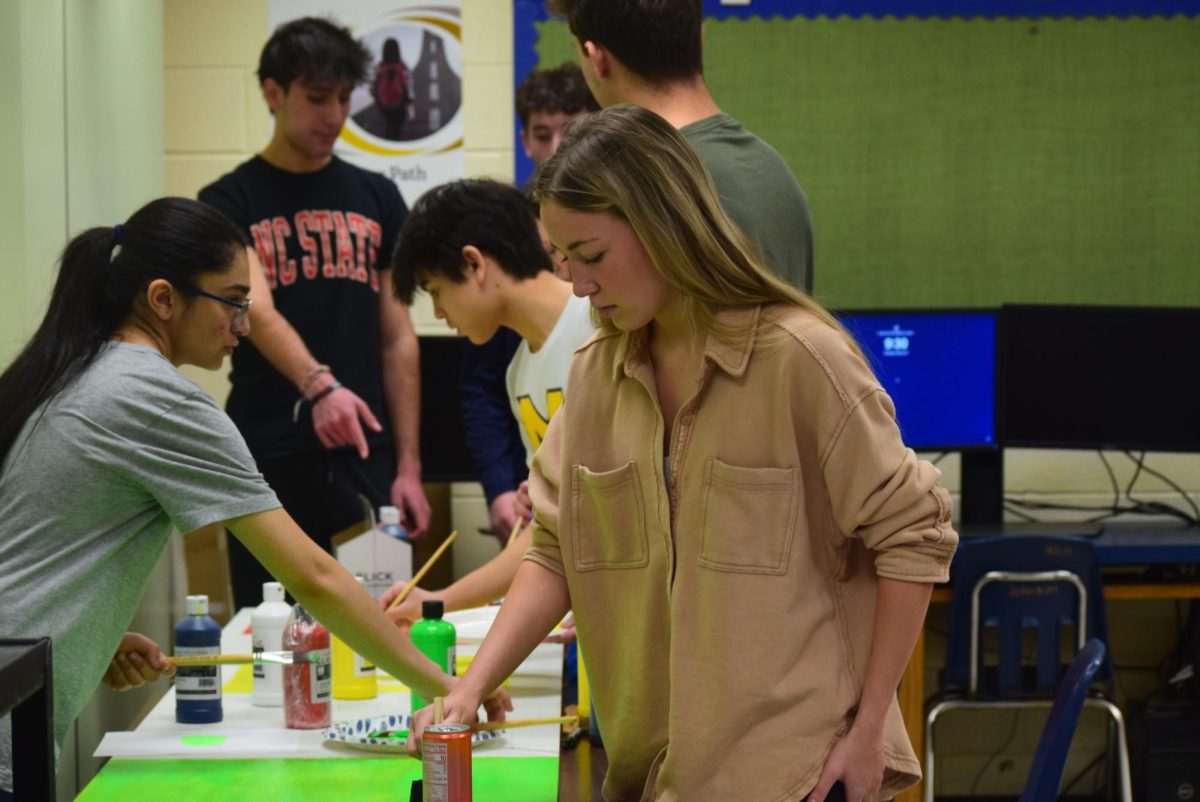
{"points": [[318, 656], [403, 594], [486, 726]]}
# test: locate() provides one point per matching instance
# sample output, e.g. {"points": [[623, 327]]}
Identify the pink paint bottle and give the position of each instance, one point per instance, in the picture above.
{"points": [[307, 687]]}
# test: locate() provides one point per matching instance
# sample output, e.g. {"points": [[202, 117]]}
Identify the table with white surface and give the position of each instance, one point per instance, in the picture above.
{"points": [[251, 748]]}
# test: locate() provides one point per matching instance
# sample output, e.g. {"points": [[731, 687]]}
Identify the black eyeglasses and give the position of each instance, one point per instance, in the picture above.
{"points": [[242, 308]]}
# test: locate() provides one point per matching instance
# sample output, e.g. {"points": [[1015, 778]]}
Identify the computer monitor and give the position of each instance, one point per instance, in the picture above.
{"points": [[1100, 377], [444, 454], [939, 367]]}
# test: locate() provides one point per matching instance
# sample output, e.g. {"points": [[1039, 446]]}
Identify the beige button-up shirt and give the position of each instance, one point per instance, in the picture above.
{"points": [[725, 598]]}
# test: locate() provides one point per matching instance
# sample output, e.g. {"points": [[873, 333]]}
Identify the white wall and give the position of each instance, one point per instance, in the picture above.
{"points": [[81, 89], [33, 214]]}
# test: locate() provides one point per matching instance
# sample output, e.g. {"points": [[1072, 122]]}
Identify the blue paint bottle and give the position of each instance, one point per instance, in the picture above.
{"points": [[198, 688]]}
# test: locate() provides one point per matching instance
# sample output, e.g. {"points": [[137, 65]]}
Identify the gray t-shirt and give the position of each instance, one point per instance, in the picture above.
{"points": [[760, 193], [89, 493]]}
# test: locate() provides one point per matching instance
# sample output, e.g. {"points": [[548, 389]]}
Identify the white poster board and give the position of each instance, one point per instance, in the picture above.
{"points": [[418, 143]]}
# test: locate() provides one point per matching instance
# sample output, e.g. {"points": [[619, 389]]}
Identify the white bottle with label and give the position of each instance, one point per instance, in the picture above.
{"points": [[266, 633], [389, 523]]}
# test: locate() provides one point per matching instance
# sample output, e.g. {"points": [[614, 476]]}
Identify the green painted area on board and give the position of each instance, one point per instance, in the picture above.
{"points": [[507, 779]]}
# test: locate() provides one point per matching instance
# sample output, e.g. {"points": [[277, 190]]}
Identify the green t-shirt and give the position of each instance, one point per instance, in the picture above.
{"points": [[760, 193]]}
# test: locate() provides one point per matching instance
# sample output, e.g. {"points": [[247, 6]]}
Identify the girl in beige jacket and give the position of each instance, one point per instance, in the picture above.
{"points": [[725, 502]]}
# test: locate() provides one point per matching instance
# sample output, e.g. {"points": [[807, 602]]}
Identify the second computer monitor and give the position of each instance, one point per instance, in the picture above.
{"points": [[1100, 377]]}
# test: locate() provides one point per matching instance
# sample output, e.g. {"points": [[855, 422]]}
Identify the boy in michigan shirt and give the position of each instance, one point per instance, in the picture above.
{"points": [[473, 245]]}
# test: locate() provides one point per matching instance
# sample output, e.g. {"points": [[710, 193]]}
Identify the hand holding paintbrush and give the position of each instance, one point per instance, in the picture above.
{"points": [[402, 595], [439, 715]]}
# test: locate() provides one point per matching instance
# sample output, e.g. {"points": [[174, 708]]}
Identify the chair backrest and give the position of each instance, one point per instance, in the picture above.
{"points": [[1050, 759], [1028, 596]]}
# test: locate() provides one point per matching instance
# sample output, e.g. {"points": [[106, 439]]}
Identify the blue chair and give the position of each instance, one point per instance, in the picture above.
{"points": [[1050, 760], [1013, 599]]}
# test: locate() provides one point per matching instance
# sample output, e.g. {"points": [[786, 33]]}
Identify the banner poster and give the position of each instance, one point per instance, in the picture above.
{"points": [[406, 120]]}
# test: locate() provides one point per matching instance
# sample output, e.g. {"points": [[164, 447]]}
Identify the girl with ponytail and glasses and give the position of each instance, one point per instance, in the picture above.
{"points": [[105, 446], [724, 501]]}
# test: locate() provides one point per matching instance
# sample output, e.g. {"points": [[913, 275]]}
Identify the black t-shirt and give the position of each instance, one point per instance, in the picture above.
{"points": [[322, 239]]}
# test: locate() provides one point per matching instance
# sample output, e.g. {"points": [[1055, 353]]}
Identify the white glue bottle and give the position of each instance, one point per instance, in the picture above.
{"points": [[266, 633]]}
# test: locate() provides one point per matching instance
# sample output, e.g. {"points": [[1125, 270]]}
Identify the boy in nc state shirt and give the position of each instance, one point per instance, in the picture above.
{"points": [[326, 389]]}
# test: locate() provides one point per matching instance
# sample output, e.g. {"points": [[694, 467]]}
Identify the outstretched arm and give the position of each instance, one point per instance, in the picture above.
{"points": [[482, 586], [335, 598]]}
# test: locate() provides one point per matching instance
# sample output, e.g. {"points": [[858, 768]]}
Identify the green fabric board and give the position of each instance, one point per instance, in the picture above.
{"points": [[510, 779], [975, 162]]}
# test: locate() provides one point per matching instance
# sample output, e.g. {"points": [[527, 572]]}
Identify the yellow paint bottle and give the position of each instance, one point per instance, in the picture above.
{"points": [[353, 676]]}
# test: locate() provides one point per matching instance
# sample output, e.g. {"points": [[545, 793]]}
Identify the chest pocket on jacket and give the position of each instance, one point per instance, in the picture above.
{"points": [[608, 519], [750, 516]]}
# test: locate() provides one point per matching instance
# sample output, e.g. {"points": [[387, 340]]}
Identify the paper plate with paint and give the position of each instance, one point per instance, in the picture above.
{"points": [[389, 734]]}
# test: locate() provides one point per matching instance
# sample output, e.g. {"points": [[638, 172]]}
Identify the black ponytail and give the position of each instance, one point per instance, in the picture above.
{"points": [[102, 271]]}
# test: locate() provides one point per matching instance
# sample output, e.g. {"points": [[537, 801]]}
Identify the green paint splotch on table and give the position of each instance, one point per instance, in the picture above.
{"points": [[509, 779], [202, 740]]}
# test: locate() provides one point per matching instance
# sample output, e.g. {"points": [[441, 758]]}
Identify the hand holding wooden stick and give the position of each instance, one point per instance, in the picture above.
{"points": [[487, 726], [402, 595]]}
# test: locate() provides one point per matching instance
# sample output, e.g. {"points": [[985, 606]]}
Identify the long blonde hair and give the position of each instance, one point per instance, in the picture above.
{"points": [[629, 162]]}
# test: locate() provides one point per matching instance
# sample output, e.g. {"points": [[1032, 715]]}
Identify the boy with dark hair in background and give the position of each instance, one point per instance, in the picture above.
{"points": [[648, 53], [330, 354], [547, 101]]}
